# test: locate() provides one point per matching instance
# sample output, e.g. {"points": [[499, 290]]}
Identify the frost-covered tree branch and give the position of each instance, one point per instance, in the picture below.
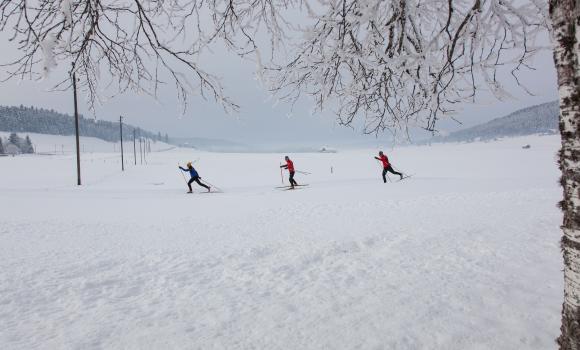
{"points": [[132, 44], [395, 62], [407, 62]]}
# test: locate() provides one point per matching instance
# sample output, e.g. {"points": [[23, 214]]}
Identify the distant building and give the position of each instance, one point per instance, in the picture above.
{"points": [[325, 149]]}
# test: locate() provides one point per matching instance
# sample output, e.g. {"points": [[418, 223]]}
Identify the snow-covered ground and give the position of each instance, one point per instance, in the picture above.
{"points": [[463, 255]]}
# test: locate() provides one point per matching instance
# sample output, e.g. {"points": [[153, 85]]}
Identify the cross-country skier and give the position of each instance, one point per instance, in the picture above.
{"points": [[194, 177], [387, 166], [290, 166]]}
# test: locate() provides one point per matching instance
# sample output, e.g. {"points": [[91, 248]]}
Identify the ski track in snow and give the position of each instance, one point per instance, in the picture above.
{"points": [[430, 263]]}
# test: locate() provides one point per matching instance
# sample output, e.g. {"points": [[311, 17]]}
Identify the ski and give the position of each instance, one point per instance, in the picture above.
{"points": [[288, 186], [404, 177], [291, 188], [204, 192]]}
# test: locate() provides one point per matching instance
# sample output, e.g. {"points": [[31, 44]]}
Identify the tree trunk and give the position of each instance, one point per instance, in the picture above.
{"points": [[565, 20]]}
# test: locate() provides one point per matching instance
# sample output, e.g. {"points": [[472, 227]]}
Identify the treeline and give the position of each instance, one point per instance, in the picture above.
{"points": [[14, 144], [45, 121]]}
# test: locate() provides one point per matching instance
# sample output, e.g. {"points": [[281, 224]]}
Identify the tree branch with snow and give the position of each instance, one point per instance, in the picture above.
{"points": [[408, 62], [132, 45]]}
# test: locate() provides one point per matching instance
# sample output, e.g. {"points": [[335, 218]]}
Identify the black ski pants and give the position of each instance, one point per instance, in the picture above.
{"points": [[292, 181], [390, 170], [196, 179]]}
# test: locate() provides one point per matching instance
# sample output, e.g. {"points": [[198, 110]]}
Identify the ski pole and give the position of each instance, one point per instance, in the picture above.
{"points": [[181, 172], [281, 174], [303, 172], [212, 185]]}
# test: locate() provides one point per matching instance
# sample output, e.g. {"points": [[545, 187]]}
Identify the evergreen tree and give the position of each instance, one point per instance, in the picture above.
{"points": [[15, 140], [1, 147], [159, 136], [27, 146], [166, 138]]}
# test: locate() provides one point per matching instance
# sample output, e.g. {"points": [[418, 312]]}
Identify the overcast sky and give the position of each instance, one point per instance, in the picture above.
{"points": [[260, 120]]}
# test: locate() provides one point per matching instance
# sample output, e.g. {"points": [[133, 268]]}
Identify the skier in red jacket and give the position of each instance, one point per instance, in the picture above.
{"points": [[290, 166], [387, 166]]}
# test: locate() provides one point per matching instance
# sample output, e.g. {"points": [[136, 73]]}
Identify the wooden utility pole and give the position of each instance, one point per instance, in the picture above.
{"points": [[74, 83], [134, 147], [121, 131], [145, 150]]}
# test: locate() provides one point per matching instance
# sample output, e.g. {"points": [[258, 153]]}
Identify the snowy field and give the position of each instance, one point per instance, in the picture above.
{"points": [[463, 255]]}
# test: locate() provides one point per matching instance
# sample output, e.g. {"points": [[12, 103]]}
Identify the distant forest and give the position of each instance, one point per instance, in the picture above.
{"points": [[45, 121]]}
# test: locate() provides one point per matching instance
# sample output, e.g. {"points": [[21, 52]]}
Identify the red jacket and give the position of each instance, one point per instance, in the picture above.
{"points": [[290, 165], [385, 161]]}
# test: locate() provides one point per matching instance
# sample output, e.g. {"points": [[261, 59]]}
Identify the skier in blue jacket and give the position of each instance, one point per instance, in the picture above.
{"points": [[194, 177]]}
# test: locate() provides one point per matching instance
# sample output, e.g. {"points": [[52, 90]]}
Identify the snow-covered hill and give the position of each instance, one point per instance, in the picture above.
{"points": [[463, 255], [539, 119]]}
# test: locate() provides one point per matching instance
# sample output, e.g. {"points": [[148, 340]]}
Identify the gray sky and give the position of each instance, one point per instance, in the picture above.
{"points": [[259, 120]]}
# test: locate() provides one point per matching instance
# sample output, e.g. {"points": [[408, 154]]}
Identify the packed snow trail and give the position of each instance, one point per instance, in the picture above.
{"points": [[463, 255]]}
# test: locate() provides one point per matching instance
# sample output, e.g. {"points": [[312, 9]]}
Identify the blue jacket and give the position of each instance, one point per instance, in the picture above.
{"points": [[192, 171]]}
